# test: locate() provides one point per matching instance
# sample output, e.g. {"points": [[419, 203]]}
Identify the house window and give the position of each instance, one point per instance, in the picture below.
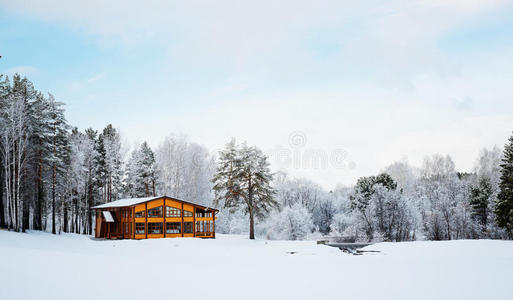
{"points": [[172, 212], [187, 213], [140, 214], [154, 228], [204, 226], [173, 227], [187, 227], [155, 212], [139, 228]]}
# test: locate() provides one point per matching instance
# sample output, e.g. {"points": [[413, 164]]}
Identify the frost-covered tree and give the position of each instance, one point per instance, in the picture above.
{"points": [[504, 208], [404, 175], [480, 200], [39, 164], [232, 221], [14, 147], [184, 170], [4, 91], [243, 178], [91, 157], [303, 191], [80, 179], [319, 203], [362, 197], [324, 213], [113, 180], [108, 165], [59, 154], [291, 223], [444, 204], [140, 172]]}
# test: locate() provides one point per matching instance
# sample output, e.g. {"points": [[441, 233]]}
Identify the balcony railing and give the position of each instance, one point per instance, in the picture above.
{"points": [[203, 233]]}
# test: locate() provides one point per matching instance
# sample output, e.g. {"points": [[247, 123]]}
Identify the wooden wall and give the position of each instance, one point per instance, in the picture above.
{"points": [[163, 202]]}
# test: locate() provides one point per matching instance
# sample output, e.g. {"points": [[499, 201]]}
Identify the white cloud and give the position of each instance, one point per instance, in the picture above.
{"points": [[390, 90], [22, 70], [96, 77]]}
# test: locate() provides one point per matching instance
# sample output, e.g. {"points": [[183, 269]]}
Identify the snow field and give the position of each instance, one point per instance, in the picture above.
{"points": [[39, 265]]}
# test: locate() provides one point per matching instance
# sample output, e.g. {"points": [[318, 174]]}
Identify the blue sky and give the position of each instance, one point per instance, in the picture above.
{"points": [[382, 82]]}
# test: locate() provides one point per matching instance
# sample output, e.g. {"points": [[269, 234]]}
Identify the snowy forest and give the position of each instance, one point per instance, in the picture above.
{"points": [[52, 174]]}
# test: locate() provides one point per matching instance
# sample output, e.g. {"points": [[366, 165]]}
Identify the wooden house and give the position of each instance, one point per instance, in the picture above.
{"points": [[154, 217]]}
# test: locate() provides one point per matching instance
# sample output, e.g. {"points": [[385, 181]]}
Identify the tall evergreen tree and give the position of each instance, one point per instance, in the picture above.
{"points": [[41, 147], [93, 156], [59, 154], [100, 169], [113, 184], [479, 199], [140, 173], [243, 179], [148, 169], [364, 193], [504, 207]]}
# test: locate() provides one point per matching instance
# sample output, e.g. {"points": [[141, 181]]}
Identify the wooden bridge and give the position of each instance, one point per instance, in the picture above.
{"points": [[347, 245]]}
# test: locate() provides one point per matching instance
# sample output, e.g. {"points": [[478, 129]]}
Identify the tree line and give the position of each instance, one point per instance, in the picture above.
{"points": [[402, 203], [51, 174]]}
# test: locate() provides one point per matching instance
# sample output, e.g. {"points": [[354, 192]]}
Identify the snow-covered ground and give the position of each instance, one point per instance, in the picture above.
{"points": [[42, 266]]}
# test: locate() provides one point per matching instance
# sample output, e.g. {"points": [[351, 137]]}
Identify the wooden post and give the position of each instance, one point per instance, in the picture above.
{"points": [[214, 224], [181, 226], [194, 221], [164, 215], [133, 221], [119, 223], [146, 217]]}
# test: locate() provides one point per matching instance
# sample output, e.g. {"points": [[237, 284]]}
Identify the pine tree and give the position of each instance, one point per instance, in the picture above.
{"points": [[91, 170], [113, 183], [59, 155], [363, 194], [148, 169], [243, 179], [479, 198], [133, 180], [41, 149], [100, 169], [504, 206], [140, 173]]}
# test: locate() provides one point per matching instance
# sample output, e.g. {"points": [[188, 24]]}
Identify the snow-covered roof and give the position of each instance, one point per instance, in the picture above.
{"points": [[134, 201], [126, 202]]}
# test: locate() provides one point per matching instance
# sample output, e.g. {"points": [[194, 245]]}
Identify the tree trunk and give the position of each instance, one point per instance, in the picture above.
{"points": [[77, 229], [38, 210], [89, 205], [26, 216], [2, 212], [65, 217], [53, 199], [251, 225], [109, 191], [251, 213]]}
